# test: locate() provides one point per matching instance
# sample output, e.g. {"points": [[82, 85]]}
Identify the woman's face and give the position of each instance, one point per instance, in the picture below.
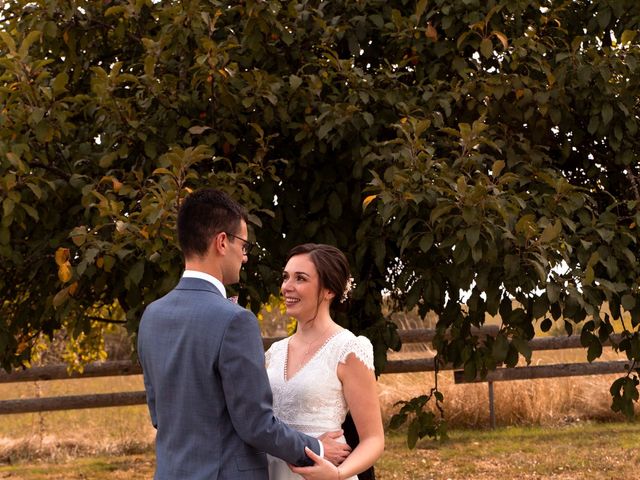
{"points": [[301, 288]]}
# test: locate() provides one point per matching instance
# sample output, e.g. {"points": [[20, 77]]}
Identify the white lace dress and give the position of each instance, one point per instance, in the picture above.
{"points": [[312, 400]]}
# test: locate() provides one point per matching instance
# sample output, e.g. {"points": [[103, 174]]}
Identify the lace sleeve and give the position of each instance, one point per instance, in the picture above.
{"points": [[361, 347]]}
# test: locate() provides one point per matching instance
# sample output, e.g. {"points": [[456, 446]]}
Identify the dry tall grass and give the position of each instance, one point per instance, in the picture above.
{"points": [[72, 433], [523, 402]]}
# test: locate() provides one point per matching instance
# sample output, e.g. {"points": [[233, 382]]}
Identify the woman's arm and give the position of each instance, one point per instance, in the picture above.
{"points": [[360, 391]]}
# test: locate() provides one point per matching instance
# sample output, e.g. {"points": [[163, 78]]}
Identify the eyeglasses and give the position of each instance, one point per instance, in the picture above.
{"points": [[247, 246]]}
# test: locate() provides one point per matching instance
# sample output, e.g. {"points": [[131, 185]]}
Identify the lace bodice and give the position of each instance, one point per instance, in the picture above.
{"points": [[312, 400]]}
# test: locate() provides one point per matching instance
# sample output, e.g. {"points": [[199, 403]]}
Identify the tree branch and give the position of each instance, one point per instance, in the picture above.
{"points": [[634, 185], [50, 168]]}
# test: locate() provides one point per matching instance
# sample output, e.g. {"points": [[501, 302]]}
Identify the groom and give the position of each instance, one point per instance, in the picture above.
{"points": [[203, 361]]}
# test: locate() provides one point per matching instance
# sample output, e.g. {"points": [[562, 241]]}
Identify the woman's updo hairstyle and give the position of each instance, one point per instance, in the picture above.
{"points": [[332, 267]]}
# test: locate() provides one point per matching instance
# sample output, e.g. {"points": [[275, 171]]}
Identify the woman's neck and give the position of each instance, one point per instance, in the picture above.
{"points": [[319, 325]]}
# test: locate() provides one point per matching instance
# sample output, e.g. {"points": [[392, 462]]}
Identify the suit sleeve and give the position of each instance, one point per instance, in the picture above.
{"points": [[150, 392], [248, 394], [151, 402]]}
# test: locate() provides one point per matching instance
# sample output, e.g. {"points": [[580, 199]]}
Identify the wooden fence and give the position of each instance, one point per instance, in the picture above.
{"points": [[120, 368]]}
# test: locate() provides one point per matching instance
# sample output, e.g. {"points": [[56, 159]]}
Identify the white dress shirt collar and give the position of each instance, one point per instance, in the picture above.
{"points": [[209, 278]]}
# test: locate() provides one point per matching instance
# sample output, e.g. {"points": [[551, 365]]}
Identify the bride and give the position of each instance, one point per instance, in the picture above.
{"points": [[323, 370]]}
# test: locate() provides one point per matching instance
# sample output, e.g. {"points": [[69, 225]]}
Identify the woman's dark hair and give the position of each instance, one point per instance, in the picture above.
{"points": [[202, 215], [331, 264]]}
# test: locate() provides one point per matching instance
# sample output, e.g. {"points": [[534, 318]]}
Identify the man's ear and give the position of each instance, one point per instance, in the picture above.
{"points": [[218, 245]]}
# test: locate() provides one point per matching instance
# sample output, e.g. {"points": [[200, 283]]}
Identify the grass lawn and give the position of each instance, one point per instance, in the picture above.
{"points": [[586, 451], [581, 451]]}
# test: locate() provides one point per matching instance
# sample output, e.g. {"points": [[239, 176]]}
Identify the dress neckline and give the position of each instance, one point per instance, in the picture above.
{"points": [[315, 354]]}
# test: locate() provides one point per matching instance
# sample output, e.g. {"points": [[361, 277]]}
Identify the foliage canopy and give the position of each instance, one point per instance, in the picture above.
{"points": [[450, 147]]}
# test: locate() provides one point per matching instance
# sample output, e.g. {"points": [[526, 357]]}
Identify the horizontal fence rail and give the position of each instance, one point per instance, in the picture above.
{"points": [[72, 402], [114, 368], [547, 371], [127, 367]]}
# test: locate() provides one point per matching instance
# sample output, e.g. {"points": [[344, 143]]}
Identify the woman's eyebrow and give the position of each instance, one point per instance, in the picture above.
{"points": [[297, 273]]}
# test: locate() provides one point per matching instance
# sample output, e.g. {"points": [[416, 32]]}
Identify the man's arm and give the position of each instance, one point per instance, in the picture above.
{"points": [[150, 392], [248, 394], [334, 451]]}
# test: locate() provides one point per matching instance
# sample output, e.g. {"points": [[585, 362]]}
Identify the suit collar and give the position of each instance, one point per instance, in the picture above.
{"points": [[192, 283]]}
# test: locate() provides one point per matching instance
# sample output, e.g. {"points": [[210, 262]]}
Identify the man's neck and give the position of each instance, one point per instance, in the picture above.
{"points": [[206, 277], [198, 265]]}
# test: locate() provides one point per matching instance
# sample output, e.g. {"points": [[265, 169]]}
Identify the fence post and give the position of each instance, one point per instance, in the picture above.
{"points": [[492, 411]]}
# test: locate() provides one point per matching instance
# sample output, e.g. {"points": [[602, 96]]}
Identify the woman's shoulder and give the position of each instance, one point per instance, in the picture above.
{"points": [[347, 337], [278, 345], [359, 345]]}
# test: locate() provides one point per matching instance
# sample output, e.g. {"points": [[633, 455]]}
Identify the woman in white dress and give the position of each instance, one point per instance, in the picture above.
{"points": [[323, 370]]}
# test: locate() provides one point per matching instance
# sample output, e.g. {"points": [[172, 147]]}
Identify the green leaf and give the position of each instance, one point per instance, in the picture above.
{"points": [[426, 241], [551, 232], [470, 371], [198, 130], [59, 83], [607, 113], [79, 235], [28, 41], [526, 225], [294, 82], [500, 348], [61, 297], [44, 132], [412, 433], [420, 7], [472, 234], [7, 206], [32, 212], [512, 357], [540, 306], [523, 347], [439, 211], [553, 292], [628, 36], [135, 274], [397, 421], [497, 168], [628, 302], [8, 41], [594, 350], [486, 47], [568, 327], [324, 129], [377, 20], [335, 205]]}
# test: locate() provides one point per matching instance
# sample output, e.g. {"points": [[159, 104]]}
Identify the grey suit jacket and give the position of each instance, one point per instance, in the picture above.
{"points": [[207, 389]]}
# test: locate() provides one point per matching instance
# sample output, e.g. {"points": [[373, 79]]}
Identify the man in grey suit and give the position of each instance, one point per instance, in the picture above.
{"points": [[203, 362]]}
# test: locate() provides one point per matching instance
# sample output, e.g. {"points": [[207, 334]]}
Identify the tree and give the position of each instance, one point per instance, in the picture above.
{"points": [[514, 174], [446, 146], [114, 111]]}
